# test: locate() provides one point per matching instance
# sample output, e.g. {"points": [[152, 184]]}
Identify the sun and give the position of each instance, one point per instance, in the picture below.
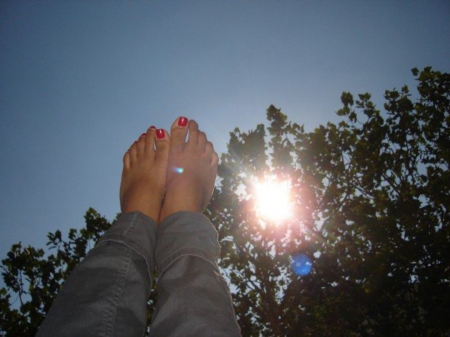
{"points": [[273, 199]]}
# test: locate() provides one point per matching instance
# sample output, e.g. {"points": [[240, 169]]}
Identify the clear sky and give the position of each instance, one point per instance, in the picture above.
{"points": [[81, 80]]}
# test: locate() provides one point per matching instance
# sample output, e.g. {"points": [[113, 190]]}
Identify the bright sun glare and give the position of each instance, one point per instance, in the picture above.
{"points": [[273, 202]]}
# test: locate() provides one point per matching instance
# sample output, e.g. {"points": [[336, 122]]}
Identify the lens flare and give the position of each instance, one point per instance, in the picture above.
{"points": [[178, 170], [301, 264], [272, 199]]}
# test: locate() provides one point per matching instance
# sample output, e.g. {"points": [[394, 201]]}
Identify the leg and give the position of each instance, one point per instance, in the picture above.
{"points": [[106, 294], [193, 298]]}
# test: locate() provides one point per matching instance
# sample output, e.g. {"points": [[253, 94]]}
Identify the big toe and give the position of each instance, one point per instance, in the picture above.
{"points": [[178, 134]]}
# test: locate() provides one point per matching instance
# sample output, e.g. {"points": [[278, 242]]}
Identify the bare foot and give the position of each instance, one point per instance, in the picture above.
{"points": [[144, 174], [191, 170]]}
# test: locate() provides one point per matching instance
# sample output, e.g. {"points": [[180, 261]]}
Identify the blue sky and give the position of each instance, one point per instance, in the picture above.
{"points": [[81, 80]]}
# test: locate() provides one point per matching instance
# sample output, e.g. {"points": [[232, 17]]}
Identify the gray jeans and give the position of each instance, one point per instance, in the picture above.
{"points": [[106, 294]]}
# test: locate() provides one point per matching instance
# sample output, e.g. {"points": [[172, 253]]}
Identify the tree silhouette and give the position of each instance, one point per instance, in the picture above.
{"points": [[33, 278], [371, 199]]}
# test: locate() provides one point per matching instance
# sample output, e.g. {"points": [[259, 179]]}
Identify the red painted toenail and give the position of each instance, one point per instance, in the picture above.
{"points": [[182, 121], [144, 134], [152, 127], [160, 134]]}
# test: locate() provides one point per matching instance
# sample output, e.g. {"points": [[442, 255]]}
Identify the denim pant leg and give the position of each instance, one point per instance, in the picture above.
{"points": [[193, 298], [106, 294]]}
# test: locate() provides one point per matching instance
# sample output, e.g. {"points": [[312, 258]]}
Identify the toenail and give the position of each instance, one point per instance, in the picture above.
{"points": [[152, 127], [160, 134], [144, 134], [182, 121]]}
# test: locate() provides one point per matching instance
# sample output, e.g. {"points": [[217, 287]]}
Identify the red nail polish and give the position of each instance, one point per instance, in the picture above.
{"points": [[135, 142], [144, 134], [152, 127], [160, 134], [182, 121]]}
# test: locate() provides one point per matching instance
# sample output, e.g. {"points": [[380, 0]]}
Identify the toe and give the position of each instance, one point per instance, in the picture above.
{"points": [[215, 160], [150, 141], [126, 160], [141, 145], [133, 152], [193, 133], [178, 134], [213, 154], [202, 141], [162, 145]]}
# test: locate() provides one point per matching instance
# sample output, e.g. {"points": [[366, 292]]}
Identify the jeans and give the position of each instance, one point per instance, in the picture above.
{"points": [[106, 294]]}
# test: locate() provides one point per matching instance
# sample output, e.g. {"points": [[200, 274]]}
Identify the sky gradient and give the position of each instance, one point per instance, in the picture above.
{"points": [[81, 80]]}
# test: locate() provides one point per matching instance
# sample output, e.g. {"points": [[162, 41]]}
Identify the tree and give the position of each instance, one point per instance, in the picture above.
{"points": [[371, 199], [371, 212], [34, 277]]}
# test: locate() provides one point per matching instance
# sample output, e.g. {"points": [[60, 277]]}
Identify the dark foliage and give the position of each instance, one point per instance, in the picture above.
{"points": [[371, 196]]}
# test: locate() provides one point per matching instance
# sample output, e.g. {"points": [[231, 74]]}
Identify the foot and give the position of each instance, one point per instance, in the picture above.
{"points": [[144, 174], [191, 171]]}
